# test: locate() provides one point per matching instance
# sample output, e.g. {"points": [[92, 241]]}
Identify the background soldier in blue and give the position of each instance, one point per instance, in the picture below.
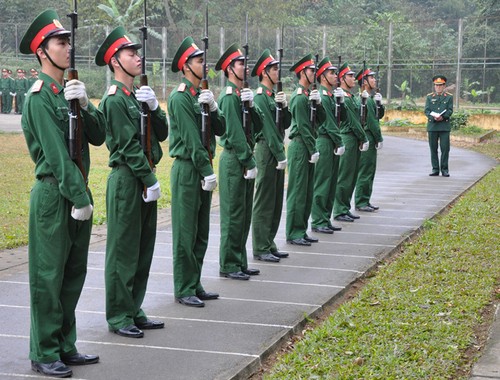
{"points": [[271, 161], [438, 109], [60, 203]]}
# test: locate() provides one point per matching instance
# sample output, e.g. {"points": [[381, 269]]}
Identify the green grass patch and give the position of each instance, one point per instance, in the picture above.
{"points": [[416, 317]]}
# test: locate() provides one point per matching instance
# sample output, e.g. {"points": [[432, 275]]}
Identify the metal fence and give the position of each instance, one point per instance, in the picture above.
{"points": [[467, 51]]}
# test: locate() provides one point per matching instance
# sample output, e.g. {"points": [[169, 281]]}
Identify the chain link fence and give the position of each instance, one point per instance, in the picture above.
{"points": [[405, 55]]}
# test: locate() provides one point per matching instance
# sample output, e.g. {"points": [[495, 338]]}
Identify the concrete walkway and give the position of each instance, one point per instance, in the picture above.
{"points": [[228, 338]]}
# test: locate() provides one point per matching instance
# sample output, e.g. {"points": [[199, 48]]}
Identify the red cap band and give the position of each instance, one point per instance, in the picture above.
{"points": [[323, 68], [298, 69], [114, 48], [40, 36], [343, 72], [363, 74], [263, 65], [184, 57], [228, 60]]}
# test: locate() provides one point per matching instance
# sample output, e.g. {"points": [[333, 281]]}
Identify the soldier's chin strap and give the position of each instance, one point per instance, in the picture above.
{"points": [[237, 77], [343, 78], [50, 59], [190, 69], [125, 71], [324, 76], [267, 74]]}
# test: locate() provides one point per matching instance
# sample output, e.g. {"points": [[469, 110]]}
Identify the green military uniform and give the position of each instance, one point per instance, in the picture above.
{"points": [[300, 170], [190, 203], [439, 131], [58, 244], [33, 78], [130, 245], [21, 87], [352, 135], [326, 170], [368, 159], [6, 88], [269, 184]]}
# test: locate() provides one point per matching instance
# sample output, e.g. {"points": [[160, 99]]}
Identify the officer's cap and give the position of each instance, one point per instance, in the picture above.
{"points": [[188, 49], [306, 62], [116, 40], [364, 73], [233, 53], [345, 70], [265, 60], [439, 79], [324, 65]]}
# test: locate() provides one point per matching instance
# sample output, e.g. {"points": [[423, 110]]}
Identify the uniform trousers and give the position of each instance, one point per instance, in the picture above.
{"points": [[442, 139], [366, 174], [58, 251], [348, 173]]}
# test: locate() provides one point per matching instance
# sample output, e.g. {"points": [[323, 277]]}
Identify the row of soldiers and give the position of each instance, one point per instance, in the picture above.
{"points": [[14, 90], [332, 141]]}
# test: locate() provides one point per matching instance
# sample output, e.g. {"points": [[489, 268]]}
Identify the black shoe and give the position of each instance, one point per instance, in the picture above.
{"points": [[445, 174], [235, 275], [334, 228], [279, 254], [300, 241], [267, 257], [79, 359], [352, 216], [205, 296], [365, 209], [130, 331], [373, 207], [150, 325], [323, 230], [434, 174], [190, 301], [344, 218], [310, 239], [54, 369], [251, 271]]}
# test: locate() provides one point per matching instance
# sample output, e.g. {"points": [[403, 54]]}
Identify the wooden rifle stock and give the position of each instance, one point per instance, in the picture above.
{"points": [[313, 103]]}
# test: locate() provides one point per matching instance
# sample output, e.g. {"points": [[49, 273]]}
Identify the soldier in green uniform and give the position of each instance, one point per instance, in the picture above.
{"points": [[330, 147], [355, 142], [21, 87], [271, 161], [368, 160], [6, 88], [302, 153], [132, 189], [12, 93], [192, 176], [60, 203], [237, 167], [33, 77], [438, 109]]}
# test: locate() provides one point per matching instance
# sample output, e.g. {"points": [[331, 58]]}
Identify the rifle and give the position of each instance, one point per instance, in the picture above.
{"points": [[363, 100], [205, 110], [313, 105], [279, 87], [337, 100], [377, 103], [145, 111], [245, 106], [75, 120]]}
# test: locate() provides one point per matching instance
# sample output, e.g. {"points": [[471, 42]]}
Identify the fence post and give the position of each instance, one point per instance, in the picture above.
{"points": [[324, 40], [389, 64], [164, 61], [221, 51], [459, 57]]}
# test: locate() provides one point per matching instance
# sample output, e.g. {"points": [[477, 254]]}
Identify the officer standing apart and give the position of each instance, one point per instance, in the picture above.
{"points": [[368, 160], [20, 89], [60, 219], [330, 148], [192, 177], [438, 109], [302, 153], [237, 168], [132, 189], [271, 161], [355, 142]]}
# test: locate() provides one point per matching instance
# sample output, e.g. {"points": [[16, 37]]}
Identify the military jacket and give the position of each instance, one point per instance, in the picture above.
{"points": [[264, 99], [21, 86], [45, 124], [439, 103], [352, 124], [301, 125], [123, 132], [185, 127], [6, 84], [235, 137], [330, 128], [372, 124]]}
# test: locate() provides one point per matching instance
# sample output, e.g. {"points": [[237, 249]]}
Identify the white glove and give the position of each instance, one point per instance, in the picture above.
{"points": [[13, 94], [281, 98], [377, 97], [82, 213], [365, 146], [247, 96], [339, 94], [379, 145], [145, 94], [207, 97], [153, 193], [209, 183], [314, 158], [251, 173], [365, 94], [281, 165], [0, 93], [76, 90], [339, 151], [314, 95]]}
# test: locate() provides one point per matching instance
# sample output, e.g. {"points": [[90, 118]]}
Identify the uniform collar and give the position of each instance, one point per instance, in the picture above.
{"points": [[190, 87], [122, 87], [53, 84]]}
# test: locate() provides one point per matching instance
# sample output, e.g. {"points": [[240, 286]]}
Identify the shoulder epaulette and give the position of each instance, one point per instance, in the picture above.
{"points": [[299, 91], [325, 92], [37, 86], [112, 89], [259, 90], [229, 90], [447, 93], [182, 87], [430, 93]]}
